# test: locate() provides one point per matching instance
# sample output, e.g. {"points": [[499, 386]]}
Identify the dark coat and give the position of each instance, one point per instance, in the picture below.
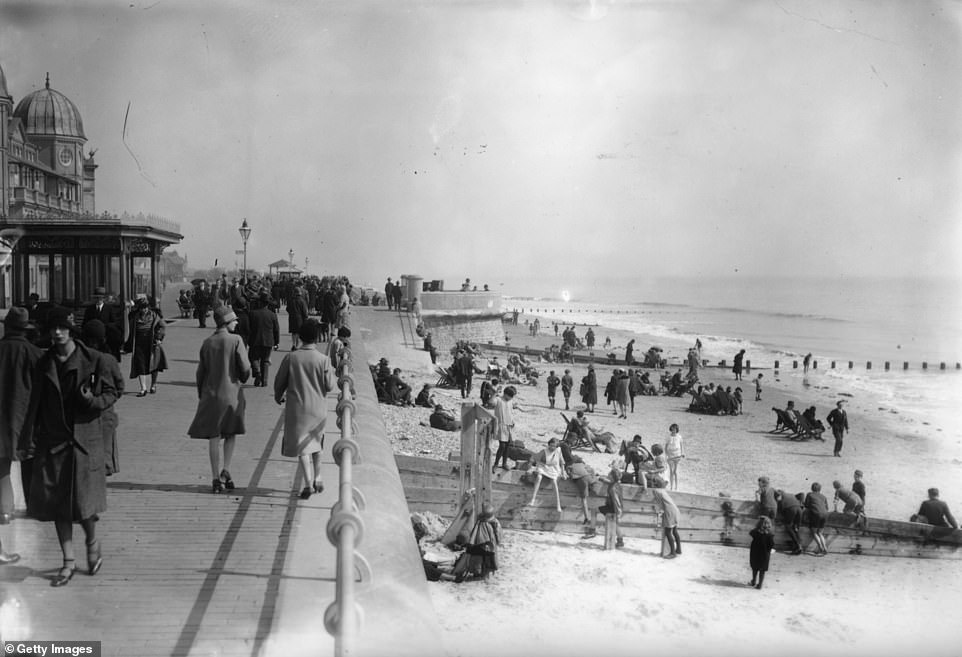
{"points": [[18, 362], [112, 316], [265, 330], [65, 434], [760, 552], [589, 384], [297, 313], [148, 354]]}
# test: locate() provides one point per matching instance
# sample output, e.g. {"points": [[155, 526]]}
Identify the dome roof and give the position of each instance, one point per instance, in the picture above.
{"points": [[48, 112]]}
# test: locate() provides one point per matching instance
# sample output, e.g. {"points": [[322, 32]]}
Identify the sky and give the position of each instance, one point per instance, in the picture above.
{"points": [[515, 142]]}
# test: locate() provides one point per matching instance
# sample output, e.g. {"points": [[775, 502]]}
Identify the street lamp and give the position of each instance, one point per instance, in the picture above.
{"points": [[245, 232], [307, 263], [290, 260]]}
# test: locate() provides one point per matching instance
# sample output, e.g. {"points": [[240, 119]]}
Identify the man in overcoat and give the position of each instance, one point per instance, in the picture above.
{"points": [[264, 334], [113, 318], [18, 360]]}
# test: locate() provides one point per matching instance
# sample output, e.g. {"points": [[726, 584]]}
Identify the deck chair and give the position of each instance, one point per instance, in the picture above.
{"points": [[784, 422], [445, 378], [575, 438], [807, 430]]}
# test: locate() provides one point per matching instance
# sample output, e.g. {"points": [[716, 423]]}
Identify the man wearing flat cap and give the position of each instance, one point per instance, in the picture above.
{"points": [[112, 317], [18, 360]]}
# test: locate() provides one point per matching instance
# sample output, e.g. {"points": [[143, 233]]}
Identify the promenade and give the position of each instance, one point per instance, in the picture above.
{"points": [[186, 572]]}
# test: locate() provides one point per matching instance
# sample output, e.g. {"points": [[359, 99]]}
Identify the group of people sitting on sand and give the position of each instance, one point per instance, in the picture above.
{"points": [[802, 426], [716, 400], [391, 388]]}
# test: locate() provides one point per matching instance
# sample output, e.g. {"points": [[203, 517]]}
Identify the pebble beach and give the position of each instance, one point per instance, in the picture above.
{"points": [[630, 600]]}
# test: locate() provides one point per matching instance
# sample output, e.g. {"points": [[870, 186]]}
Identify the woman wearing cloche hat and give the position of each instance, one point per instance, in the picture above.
{"points": [[223, 367]]}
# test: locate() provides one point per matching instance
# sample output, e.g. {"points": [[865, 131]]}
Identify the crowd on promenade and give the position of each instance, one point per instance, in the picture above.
{"points": [[60, 378]]}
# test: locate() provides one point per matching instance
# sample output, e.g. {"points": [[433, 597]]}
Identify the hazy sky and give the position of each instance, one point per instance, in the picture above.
{"points": [[516, 140]]}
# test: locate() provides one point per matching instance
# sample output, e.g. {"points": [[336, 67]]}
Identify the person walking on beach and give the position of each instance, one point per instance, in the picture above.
{"points": [[553, 381], [567, 384], [548, 464], [222, 368], [18, 360], [670, 515], [737, 367], [674, 452], [63, 432], [758, 388], [806, 362], [621, 393], [589, 389], [838, 420], [302, 383], [817, 507], [629, 353], [760, 552]]}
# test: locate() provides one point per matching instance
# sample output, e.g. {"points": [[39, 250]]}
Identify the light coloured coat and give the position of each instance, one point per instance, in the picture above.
{"points": [[223, 367], [304, 379]]}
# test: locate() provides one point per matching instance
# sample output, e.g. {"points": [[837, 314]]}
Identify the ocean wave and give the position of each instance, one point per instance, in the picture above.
{"points": [[783, 315]]}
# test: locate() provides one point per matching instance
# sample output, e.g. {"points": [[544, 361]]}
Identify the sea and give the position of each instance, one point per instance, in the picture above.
{"points": [[867, 322]]}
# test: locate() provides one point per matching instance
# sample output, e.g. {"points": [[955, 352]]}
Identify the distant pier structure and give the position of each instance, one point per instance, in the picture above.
{"points": [[450, 316]]}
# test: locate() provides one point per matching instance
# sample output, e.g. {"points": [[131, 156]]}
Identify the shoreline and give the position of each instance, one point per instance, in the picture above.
{"points": [[629, 600]]}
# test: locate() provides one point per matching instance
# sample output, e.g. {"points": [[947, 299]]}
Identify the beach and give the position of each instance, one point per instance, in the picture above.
{"points": [[627, 601]]}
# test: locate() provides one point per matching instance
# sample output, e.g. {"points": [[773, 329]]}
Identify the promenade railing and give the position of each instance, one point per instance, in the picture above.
{"points": [[345, 528]]}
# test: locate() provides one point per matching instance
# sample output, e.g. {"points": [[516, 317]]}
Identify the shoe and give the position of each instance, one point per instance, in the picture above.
{"points": [[758, 586], [620, 543], [678, 551], [7, 559], [306, 493], [318, 486], [217, 486], [670, 555], [153, 390], [752, 583], [228, 482], [142, 393], [64, 575], [94, 560]]}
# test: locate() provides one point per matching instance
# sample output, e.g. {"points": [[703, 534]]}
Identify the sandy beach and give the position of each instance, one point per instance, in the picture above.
{"points": [[630, 600]]}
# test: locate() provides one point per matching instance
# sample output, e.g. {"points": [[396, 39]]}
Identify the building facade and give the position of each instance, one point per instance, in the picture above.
{"points": [[52, 241]]}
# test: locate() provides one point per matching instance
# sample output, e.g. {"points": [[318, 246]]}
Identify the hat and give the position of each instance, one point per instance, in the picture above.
{"points": [[94, 331], [60, 317], [858, 473], [17, 319], [224, 316], [591, 366], [240, 303], [100, 291]]}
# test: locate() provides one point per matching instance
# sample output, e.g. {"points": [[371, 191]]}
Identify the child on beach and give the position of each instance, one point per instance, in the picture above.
{"points": [[817, 506], [737, 396], [482, 547], [674, 452], [567, 383], [553, 382], [758, 388], [548, 464], [614, 503], [669, 520], [760, 552]]}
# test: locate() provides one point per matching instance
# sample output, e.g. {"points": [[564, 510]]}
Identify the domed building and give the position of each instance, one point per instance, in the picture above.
{"points": [[52, 241]]}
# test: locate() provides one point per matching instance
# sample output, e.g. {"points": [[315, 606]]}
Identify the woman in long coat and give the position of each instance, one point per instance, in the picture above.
{"points": [[302, 383], [64, 433], [223, 367], [589, 389], [297, 313], [146, 333]]}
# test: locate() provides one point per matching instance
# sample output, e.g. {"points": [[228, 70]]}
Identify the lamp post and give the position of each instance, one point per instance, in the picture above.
{"points": [[290, 261], [307, 263], [245, 232]]}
